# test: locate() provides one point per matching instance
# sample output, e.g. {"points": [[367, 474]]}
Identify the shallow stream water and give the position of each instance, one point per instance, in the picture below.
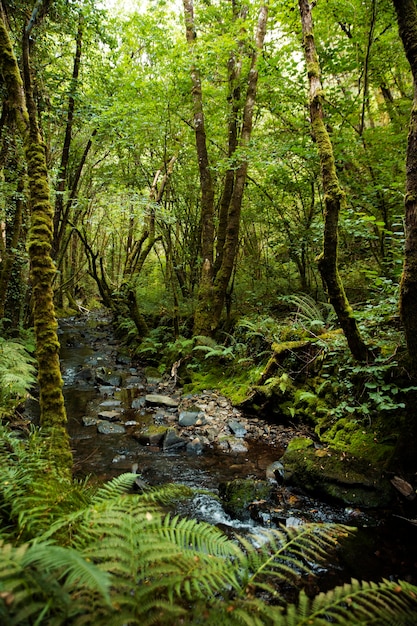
{"points": [[385, 546]]}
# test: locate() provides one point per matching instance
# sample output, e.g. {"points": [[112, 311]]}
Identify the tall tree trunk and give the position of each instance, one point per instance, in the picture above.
{"points": [[62, 172], [231, 242], [203, 315], [52, 408], [334, 196], [407, 24], [215, 276]]}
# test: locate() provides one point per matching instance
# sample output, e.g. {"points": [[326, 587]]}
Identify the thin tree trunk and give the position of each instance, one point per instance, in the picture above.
{"points": [[52, 408], [62, 172], [407, 24], [334, 196]]}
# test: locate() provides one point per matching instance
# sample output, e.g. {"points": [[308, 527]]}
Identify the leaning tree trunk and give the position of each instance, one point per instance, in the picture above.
{"points": [[52, 409], [334, 197], [407, 23]]}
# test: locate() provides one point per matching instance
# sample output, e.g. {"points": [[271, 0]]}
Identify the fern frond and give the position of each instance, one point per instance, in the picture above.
{"points": [[288, 552], [384, 604], [115, 487]]}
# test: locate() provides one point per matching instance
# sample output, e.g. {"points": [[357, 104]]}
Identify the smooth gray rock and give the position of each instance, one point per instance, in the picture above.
{"points": [[195, 447], [157, 399], [237, 428], [188, 418], [138, 403], [237, 445], [90, 421], [106, 428], [110, 416], [172, 441], [111, 403]]}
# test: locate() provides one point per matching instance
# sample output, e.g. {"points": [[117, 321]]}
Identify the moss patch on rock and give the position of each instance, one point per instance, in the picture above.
{"points": [[237, 495], [336, 476]]}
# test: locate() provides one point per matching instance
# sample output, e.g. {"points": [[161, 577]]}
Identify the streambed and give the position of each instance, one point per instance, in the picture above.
{"points": [[99, 377]]}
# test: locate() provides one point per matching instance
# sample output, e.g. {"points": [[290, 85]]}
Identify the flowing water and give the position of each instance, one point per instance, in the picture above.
{"points": [[384, 547]]}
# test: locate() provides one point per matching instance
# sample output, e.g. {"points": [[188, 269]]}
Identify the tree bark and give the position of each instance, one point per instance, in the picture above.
{"points": [[62, 172], [407, 24], [215, 276], [334, 197], [52, 408]]}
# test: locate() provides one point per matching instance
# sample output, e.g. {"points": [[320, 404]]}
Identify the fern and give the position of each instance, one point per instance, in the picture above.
{"points": [[103, 555], [17, 374]]}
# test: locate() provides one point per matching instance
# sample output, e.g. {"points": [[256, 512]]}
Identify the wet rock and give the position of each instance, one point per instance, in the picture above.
{"points": [[90, 421], [172, 440], [110, 416], [113, 403], [238, 496], [336, 477], [275, 471], [134, 381], [236, 445], [237, 428], [138, 403], [155, 399], [107, 428], [188, 418], [195, 446], [151, 435], [106, 390]]}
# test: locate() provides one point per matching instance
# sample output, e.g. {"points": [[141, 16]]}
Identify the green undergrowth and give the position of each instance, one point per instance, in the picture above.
{"points": [[75, 553]]}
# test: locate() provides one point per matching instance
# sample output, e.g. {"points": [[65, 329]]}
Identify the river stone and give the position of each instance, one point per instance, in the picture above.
{"points": [[238, 495], [90, 421], [236, 445], [195, 447], [106, 428], [110, 416], [138, 403], [188, 418], [157, 399], [134, 381], [237, 428], [150, 435], [111, 403], [172, 441], [275, 471]]}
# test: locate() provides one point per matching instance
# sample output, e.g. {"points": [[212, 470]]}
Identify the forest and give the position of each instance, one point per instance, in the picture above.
{"points": [[234, 182]]}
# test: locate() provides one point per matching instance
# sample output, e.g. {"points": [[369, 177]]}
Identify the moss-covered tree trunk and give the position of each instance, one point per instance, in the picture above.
{"points": [[216, 273], [203, 319], [52, 408], [407, 24], [334, 197]]}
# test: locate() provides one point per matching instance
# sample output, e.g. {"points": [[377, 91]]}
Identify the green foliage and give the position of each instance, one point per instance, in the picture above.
{"points": [[316, 318], [17, 374], [111, 556]]}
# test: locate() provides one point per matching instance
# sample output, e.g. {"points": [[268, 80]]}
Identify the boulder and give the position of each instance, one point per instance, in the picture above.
{"points": [[238, 496], [335, 476], [106, 428]]}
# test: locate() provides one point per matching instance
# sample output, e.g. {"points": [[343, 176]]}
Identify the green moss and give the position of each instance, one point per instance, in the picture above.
{"points": [[339, 477], [299, 443], [350, 436], [237, 495]]}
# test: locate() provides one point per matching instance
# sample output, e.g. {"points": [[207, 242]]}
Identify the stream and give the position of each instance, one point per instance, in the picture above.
{"points": [[105, 391]]}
